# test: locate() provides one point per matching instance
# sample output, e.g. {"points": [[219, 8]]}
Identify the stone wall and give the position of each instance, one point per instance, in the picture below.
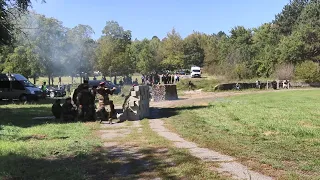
{"points": [[164, 92], [136, 106], [304, 84], [231, 86]]}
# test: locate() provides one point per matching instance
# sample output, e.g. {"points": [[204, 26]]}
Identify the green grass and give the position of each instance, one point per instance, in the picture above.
{"points": [[206, 84], [280, 130], [43, 149]]}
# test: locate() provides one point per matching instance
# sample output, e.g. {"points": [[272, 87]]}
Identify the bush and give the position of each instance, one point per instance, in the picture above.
{"points": [[308, 71], [242, 71], [204, 84], [284, 71]]}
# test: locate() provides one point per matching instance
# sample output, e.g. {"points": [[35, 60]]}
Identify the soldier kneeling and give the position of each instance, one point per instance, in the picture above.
{"points": [[68, 111]]}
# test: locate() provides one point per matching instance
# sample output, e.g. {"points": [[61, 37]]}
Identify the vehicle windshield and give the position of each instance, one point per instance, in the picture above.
{"points": [[196, 70], [27, 83]]}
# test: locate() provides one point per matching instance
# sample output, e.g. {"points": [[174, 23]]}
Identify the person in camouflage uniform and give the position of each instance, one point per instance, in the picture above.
{"points": [[56, 109], [68, 111], [84, 103], [125, 103], [106, 107]]}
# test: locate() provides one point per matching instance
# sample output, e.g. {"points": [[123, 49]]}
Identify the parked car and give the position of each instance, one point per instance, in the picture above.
{"points": [[109, 85], [55, 92], [181, 73], [16, 86]]}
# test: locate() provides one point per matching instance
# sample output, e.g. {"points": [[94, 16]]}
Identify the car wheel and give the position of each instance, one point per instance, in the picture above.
{"points": [[23, 98], [52, 95]]}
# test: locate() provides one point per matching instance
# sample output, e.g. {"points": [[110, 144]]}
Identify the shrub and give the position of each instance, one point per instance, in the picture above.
{"points": [[242, 71], [308, 71], [284, 71], [203, 83]]}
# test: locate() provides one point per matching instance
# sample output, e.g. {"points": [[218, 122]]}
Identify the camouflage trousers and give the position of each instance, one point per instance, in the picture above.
{"points": [[106, 111]]}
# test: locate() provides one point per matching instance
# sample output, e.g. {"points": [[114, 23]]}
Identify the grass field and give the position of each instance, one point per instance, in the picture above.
{"points": [[277, 133], [49, 149], [43, 149]]}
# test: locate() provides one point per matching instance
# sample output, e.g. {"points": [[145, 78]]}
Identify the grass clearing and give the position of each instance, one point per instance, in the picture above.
{"points": [[38, 149], [278, 133]]}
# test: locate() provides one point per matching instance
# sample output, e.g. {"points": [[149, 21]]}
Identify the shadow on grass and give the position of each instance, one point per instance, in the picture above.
{"points": [[40, 101], [158, 113], [116, 163], [23, 116]]}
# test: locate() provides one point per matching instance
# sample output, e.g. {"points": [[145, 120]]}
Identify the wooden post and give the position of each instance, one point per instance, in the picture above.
{"points": [[267, 84], [278, 84]]}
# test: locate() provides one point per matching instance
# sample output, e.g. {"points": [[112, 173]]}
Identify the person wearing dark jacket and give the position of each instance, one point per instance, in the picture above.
{"points": [[92, 106], [56, 109], [84, 103], [68, 111]]}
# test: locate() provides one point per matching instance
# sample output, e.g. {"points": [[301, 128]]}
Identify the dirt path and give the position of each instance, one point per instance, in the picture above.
{"points": [[228, 164], [128, 155]]}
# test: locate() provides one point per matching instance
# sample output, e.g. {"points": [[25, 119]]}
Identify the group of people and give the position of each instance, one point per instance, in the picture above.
{"points": [[170, 78], [157, 79], [150, 79], [82, 104]]}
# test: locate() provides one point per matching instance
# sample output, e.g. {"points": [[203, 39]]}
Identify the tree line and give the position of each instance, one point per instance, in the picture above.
{"points": [[287, 47]]}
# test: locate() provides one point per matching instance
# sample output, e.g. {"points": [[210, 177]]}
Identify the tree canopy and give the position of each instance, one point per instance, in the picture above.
{"points": [[48, 48]]}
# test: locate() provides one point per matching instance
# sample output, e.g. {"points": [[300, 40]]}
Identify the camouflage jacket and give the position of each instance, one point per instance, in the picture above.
{"points": [[103, 95]]}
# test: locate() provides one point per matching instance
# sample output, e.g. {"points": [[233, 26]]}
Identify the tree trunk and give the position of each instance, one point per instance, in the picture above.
{"points": [[49, 78], [115, 80]]}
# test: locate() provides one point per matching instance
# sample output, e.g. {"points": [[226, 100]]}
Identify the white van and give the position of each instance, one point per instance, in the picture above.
{"points": [[195, 72]]}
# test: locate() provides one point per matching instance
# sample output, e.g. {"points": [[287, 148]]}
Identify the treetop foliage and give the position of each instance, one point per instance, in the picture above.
{"points": [[290, 40]]}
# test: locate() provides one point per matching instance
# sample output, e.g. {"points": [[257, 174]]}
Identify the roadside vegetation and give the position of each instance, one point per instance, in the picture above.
{"points": [[276, 133]]}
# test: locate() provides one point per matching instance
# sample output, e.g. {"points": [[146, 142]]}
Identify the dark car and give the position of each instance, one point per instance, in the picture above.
{"points": [[181, 73], [16, 86], [109, 85], [55, 92]]}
